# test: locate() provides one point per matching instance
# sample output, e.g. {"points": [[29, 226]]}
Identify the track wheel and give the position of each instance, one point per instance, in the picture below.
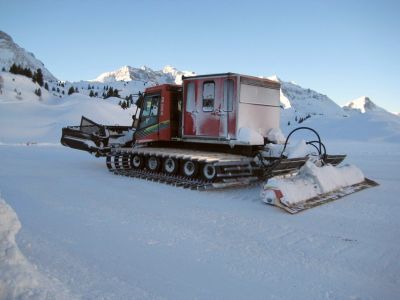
{"points": [[153, 163], [170, 165], [137, 161], [189, 168], [209, 171]]}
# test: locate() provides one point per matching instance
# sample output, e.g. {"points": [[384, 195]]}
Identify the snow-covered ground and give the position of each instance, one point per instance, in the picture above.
{"points": [[112, 237]]}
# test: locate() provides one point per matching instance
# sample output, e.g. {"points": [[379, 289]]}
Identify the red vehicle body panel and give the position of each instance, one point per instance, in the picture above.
{"points": [[214, 121], [165, 123]]}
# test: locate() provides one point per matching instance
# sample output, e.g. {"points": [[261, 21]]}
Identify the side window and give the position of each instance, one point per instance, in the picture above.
{"points": [[208, 95], [228, 95], [190, 100]]}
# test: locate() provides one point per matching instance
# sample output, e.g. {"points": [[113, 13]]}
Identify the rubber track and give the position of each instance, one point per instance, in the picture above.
{"points": [[179, 181]]}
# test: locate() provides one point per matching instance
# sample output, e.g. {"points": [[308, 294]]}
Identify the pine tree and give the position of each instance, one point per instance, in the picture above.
{"points": [[91, 94], [76, 90], [3, 69], [110, 92], [71, 90], [27, 72], [46, 86], [38, 92], [38, 77], [13, 69]]}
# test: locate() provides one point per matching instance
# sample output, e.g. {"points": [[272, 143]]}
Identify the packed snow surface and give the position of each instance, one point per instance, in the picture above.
{"points": [[114, 237], [312, 181], [20, 279]]}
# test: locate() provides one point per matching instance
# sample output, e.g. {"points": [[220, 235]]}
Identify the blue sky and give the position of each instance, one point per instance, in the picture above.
{"points": [[344, 49]]}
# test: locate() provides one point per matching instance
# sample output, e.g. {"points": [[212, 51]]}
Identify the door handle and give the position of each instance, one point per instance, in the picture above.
{"points": [[217, 112]]}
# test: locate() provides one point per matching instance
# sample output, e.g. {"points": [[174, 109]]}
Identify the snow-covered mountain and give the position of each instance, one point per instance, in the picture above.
{"points": [[144, 74], [306, 107], [306, 102], [362, 105], [11, 53]]}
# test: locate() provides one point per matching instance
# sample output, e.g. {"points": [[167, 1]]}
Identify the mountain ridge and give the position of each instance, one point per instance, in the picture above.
{"points": [[168, 74], [11, 52]]}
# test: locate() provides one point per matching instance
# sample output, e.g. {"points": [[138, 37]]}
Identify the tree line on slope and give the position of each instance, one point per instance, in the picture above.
{"points": [[37, 77]]}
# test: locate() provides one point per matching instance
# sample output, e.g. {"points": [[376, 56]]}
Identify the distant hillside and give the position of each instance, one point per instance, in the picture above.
{"points": [[11, 53]]}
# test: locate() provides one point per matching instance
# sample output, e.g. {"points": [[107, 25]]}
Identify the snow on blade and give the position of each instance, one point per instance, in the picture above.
{"points": [[19, 279], [311, 181]]}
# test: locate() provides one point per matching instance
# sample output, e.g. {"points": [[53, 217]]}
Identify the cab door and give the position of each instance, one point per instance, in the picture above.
{"points": [[209, 109], [148, 129], [190, 108]]}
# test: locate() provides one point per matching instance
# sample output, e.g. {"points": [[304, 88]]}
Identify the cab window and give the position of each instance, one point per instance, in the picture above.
{"points": [[191, 101], [208, 95], [150, 111]]}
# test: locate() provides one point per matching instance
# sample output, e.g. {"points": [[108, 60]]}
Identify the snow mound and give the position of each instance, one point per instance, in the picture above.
{"points": [[311, 181], [19, 279], [249, 136], [275, 135]]}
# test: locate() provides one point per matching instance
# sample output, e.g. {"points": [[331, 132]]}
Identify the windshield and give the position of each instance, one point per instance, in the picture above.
{"points": [[150, 111]]}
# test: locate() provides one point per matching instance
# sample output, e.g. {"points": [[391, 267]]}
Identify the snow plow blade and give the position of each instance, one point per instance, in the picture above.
{"points": [[94, 138], [324, 198]]}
